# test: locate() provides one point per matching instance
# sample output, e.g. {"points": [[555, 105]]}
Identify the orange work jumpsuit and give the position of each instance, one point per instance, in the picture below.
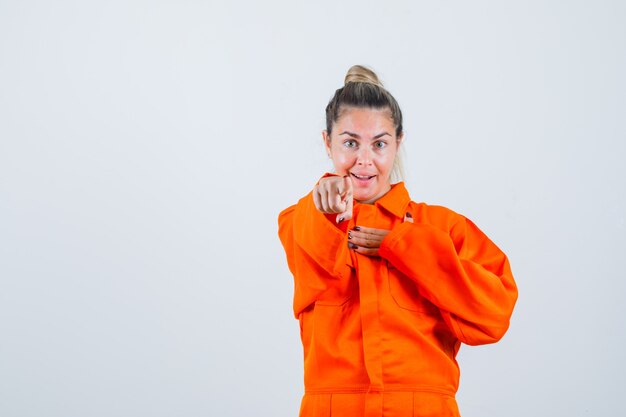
{"points": [[380, 334]]}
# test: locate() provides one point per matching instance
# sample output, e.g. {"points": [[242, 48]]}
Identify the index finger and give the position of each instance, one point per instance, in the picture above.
{"points": [[343, 187], [346, 198], [347, 182]]}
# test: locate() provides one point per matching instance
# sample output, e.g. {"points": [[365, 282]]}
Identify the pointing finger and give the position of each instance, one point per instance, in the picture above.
{"points": [[340, 187], [347, 200], [347, 182]]}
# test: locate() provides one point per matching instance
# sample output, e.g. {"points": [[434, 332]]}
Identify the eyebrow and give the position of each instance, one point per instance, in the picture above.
{"points": [[354, 135]]}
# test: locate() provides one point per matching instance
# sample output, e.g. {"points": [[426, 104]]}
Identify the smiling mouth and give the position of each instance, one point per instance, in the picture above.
{"points": [[362, 177]]}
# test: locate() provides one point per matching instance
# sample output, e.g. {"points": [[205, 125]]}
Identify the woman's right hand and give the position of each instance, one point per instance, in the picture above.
{"points": [[334, 195]]}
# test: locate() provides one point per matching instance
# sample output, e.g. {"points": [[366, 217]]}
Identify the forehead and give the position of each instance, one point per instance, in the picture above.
{"points": [[365, 120]]}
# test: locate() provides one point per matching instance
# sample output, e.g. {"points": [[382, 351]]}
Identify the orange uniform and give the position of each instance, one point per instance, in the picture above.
{"points": [[381, 334]]}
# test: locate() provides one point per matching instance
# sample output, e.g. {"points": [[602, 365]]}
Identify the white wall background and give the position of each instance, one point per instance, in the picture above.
{"points": [[146, 148]]}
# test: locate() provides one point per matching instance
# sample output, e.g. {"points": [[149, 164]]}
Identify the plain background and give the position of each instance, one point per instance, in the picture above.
{"points": [[147, 147]]}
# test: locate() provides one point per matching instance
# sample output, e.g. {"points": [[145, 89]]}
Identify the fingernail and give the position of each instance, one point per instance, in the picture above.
{"points": [[409, 215], [352, 245], [349, 234], [339, 220], [357, 228]]}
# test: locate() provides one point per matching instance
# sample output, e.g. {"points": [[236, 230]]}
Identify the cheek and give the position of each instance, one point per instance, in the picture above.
{"points": [[342, 161], [385, 162]]}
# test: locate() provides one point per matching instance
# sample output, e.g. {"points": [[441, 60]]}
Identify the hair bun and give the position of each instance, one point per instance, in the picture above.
{"points": [[361, 74]]}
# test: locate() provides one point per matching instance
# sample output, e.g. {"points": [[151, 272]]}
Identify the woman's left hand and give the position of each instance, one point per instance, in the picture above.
{"points": [[367, 240]]}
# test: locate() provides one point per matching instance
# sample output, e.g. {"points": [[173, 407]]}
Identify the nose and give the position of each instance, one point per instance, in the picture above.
{"points": [[364, 156]]}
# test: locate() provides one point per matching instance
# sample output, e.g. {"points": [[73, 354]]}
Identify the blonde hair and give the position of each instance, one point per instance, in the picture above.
{"points": [[363, 88], [397, 171], [361, 74]]}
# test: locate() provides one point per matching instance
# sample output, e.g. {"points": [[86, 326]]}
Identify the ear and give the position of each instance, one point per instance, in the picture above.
{"points": [[400, 139], [326, 139]]}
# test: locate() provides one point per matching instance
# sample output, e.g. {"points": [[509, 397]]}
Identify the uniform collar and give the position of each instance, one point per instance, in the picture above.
{"points": [[396, 200]]}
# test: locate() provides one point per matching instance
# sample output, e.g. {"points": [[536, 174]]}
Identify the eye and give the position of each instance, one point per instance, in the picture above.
{"points": [[350, 143], [380, 144]]}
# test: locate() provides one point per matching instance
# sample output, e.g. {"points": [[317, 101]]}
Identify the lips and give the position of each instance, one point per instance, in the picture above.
{"points": [[362, 177], [362, 180]]}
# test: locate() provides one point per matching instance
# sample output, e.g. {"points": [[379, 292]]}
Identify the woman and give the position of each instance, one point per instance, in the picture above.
{"points": [[386, 289]]}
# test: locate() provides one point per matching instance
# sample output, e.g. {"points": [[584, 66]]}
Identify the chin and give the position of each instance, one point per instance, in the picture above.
{"points": [[364, 197]]}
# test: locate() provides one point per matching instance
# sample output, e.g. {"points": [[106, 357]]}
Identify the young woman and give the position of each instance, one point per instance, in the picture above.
{"points": [[386, 289]]}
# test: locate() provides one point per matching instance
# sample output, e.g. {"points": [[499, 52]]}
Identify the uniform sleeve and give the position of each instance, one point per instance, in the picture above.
{"points": [[316, 248], [460, 271]]}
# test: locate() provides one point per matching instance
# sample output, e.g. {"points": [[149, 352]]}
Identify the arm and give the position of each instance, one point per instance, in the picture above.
{"points": [[316, 249], [462, 272], [316, 227], [321, 238]]}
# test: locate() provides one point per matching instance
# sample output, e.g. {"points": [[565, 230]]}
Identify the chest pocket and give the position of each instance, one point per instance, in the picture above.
{"points": [[404, 292]]}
